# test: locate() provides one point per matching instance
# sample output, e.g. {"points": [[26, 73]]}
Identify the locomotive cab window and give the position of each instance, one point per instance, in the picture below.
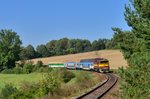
{"points": [[104, 62]]}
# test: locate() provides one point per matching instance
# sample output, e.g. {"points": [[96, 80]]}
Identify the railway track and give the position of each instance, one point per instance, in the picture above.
{"points": [[100, 90]]}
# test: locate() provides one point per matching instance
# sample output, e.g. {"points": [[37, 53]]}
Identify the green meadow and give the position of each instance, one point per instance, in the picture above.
{"points": [[17, 79]]}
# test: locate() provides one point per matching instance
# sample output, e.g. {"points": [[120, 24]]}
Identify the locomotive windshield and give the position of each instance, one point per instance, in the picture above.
{"points": [[104, 62]]}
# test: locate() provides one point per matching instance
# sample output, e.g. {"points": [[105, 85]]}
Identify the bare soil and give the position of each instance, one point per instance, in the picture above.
{"points": [[115, 58]]}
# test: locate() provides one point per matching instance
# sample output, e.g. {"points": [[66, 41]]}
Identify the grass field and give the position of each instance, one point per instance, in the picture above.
{"points": [[82, 82], [17, 79]]}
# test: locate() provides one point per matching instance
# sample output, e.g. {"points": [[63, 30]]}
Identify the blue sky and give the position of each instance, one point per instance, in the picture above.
{"points": [[39, 21]]}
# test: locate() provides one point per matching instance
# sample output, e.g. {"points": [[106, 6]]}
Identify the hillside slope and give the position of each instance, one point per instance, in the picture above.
{"points": [[114, 56]]}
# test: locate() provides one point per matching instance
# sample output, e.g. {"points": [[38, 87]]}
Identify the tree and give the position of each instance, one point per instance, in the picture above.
{"points": [[30, 52], [136, 49], [58, 49], [51, 47], [95, 45], [9, 48], [72, 43], [27, 53], [23, 54], [86, 45], [79, 46], [102, 43], [64, 43], [42, 51], [72, 46]]}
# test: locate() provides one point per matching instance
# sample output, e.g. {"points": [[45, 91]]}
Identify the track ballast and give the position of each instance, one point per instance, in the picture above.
{"points": [[100, 90]]}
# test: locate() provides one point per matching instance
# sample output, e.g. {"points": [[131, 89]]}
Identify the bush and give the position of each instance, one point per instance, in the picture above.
{"points": [[17, 70], [64, 74], [67, 76], [27, 68], [44, 69], [50, 83], [7, 71], [39, 64], [8, 91]]}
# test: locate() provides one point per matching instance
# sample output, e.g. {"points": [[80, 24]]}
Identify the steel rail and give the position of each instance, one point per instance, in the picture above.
{"points": [[100, 90]]}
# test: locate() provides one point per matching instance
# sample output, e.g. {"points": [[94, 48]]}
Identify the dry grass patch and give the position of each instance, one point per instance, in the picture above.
{"points": [[115, 58]]}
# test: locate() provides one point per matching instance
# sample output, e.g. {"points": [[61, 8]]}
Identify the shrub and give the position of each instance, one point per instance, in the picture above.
{"points": [[25, 85], [17, 70], [39, 64], [7, 71], [67, 76], [8, 90], [44, 69], [50, 83], [27, 68]]}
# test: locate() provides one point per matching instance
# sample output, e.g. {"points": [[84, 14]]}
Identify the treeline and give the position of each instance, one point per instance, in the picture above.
{"points": [[64, 46], [11, 50], [135, 45]]}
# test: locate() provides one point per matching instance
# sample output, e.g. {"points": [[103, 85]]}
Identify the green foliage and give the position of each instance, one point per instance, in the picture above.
{"points": [[27, 53], [15, 70], [95, 45], [39, 64], [58, 83], [65, 74], [30, 51], [7, 71], [112, 44], [28, 67], [17, 79], [62, 47], [23, 55], [83, 78], [9, 49], [136, 49], [51, 47], [100, 44], [44, 69], [39, 67], [8, 91], [42, 51], [49, 84]]}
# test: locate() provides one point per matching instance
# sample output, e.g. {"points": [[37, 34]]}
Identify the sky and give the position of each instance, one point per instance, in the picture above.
{"points": [[40, 21]]}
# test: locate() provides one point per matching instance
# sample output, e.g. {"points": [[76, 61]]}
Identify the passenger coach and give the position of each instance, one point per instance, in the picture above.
{"points": [[87, 65], [70, 65], [56, 64]]}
